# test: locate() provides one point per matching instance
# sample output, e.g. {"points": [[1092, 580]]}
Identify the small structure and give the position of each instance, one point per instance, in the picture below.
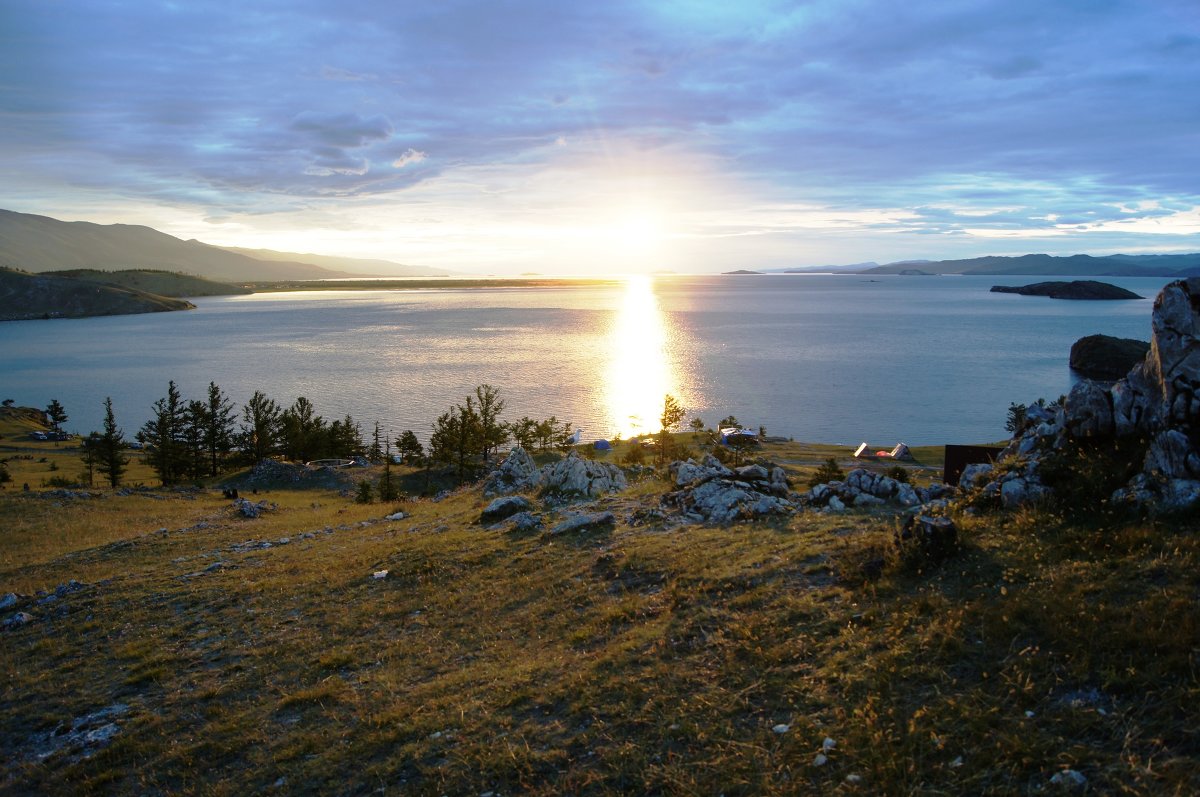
{"points": [[959, 457]]}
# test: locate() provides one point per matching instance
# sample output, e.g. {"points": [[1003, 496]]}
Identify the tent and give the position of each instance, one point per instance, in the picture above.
{"points": [[900, 452], [602, 445], [863, 450]]}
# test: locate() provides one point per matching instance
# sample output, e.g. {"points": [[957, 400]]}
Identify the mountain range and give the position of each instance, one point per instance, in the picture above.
{"points": [[40, 243]]}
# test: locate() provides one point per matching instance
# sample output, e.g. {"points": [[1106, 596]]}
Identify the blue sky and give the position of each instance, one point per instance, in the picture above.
{"points": [[563, 137]]}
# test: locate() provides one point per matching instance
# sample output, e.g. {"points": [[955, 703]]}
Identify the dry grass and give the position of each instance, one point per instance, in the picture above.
{"points": [[638, 660]]}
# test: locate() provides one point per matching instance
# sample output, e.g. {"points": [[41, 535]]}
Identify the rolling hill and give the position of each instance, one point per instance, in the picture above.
{"points": [[28, 296], [40, 243]]}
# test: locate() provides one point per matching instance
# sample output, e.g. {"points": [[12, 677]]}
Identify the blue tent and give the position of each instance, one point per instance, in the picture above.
{"points": [[602, 445]]}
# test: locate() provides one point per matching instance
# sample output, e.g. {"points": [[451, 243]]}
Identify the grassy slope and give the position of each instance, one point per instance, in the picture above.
{"points": [[27, 296], [161, 283], [636, 660]]}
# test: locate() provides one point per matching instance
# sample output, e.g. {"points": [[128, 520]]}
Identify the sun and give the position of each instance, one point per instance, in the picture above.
{"points": [[635, 237]]}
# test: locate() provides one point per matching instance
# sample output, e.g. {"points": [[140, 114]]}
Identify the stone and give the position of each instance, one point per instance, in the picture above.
{"points": [[396, 516], [867, 500], [17, 620], [518, 473], [835, 505], [975, 475], [524, 522], [1179, 495], [934, 536], [9, 600], [1069, 779], [1089, 411], [753, 473], [1171, 456], [1019, 492], [587, 522], [504, 507], [379, 575], [576, 476], [724, 501], [689, 472]]}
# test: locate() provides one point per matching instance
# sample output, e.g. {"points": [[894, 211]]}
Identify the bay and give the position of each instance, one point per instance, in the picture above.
{"points": [[830, 358]]}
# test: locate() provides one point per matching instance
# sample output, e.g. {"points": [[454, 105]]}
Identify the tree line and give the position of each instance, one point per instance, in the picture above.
{"points": [[187, 440]]}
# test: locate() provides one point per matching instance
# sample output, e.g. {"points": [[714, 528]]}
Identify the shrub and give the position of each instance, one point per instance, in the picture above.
{"points": [[898, 472], [634, 454], [828, 472], [1083, 474], [365, 494]]}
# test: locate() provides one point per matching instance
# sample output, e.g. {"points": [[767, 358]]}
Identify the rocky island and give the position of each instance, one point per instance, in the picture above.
{"points": [[1105, 357], [1088, 290]]}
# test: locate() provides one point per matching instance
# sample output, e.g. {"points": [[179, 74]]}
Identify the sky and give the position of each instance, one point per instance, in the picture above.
{"points": [[556, 137]]}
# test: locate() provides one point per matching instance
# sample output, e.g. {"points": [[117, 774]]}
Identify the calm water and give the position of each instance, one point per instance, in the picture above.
{"points": [[837, 359]]}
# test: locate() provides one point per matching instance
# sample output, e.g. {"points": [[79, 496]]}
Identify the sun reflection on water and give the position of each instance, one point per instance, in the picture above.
{"points": [[640, 371]]}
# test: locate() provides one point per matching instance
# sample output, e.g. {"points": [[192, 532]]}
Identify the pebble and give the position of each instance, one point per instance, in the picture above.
{"points": [[828, 745], [379, 574], [781, 728], [820, 760]]}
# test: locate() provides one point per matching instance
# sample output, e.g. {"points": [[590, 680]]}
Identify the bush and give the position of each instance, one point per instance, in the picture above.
{"points": [[634, 454], [365, 494], [828, 472], [1083, 474], [898, 472]]}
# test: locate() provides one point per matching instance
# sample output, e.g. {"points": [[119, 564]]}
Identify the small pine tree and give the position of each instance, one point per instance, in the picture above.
{"points": [[56, 415], [828, 472], [111, 460], [365, 494]]}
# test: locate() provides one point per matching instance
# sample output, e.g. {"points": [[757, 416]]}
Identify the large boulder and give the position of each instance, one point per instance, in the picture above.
{"points": [[575, 476], [518, 473], [724, 501], [504, 507], [1106, 357]]}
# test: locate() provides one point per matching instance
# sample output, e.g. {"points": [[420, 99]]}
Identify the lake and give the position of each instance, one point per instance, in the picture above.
{"points": [[828, 358]]}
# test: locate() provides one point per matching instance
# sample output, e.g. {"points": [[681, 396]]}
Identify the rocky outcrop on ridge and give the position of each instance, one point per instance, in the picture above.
{"points": [[574, 476], [862, 488], [710, 492], [516, 474], [1155, 408]]}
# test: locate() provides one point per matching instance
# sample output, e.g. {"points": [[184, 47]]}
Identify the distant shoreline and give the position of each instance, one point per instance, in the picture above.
{"points": [[420, 283]]}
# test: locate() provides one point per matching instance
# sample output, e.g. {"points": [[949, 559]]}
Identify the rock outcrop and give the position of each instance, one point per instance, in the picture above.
{"points": [[1157, 403], [710, 492], [1105, 357], [574, 476], [863, 488], [518, 473]]}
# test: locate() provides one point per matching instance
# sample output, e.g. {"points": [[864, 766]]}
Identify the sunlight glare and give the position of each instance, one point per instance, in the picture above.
{"points": [[640, 372]]}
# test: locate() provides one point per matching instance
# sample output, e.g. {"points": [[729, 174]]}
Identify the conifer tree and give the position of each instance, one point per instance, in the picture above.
{"points": [[218, 432], [110, 454]]}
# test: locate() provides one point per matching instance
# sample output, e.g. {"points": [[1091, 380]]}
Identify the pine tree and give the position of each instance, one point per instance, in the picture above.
{"points": [[90, 456], [492, 433], [260, 426], [110, 455], [672, 414], [164, 437], [56, 415], [375, 453], [218, 433]]}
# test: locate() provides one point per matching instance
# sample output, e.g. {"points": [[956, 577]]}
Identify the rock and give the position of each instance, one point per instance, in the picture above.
{"points": [[1106, 357], [724, 501], [753, 473], [820, 760], [518, 473], [975, 475], [589, 522], [867, 500], [1069, 779], [689, 472], [379, 575], [396, 516], [17, 620], [1088, 411], [1088, 290], [835, 505], [1020, 492], [933, 537], [9, 600], [1171, 456], [781, 728], [524, 522], [575, 476], [504, 507], [1179, 495], [249, 509]]}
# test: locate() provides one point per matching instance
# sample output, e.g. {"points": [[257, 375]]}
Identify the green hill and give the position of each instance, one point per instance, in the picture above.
{"points": [[27, 296], [160, 283]]}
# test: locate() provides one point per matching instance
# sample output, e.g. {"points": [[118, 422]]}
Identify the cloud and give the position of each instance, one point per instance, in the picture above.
{"points": [[409, 157]]}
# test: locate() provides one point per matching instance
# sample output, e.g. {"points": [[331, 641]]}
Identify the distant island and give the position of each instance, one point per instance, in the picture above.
{"points": [[740, 271], [1085, 290]]}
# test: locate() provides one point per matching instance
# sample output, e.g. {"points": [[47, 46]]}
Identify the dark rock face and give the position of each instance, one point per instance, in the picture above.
{"points": [[1089, 290], [504, 507], [1105, 357], [1158, 401]]}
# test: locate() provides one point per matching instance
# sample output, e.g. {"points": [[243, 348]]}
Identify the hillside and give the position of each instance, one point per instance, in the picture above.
{"points": [[160, 283], [40, 243], [1051, 265], [29, 296], [354, 266]]}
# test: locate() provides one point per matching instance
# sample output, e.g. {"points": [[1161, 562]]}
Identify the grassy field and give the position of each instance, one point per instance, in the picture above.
{"points": [[202, 652]]}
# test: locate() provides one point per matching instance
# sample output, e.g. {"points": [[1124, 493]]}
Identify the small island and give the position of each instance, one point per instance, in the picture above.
{"points": [[1083, 290], [740, 271]]}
